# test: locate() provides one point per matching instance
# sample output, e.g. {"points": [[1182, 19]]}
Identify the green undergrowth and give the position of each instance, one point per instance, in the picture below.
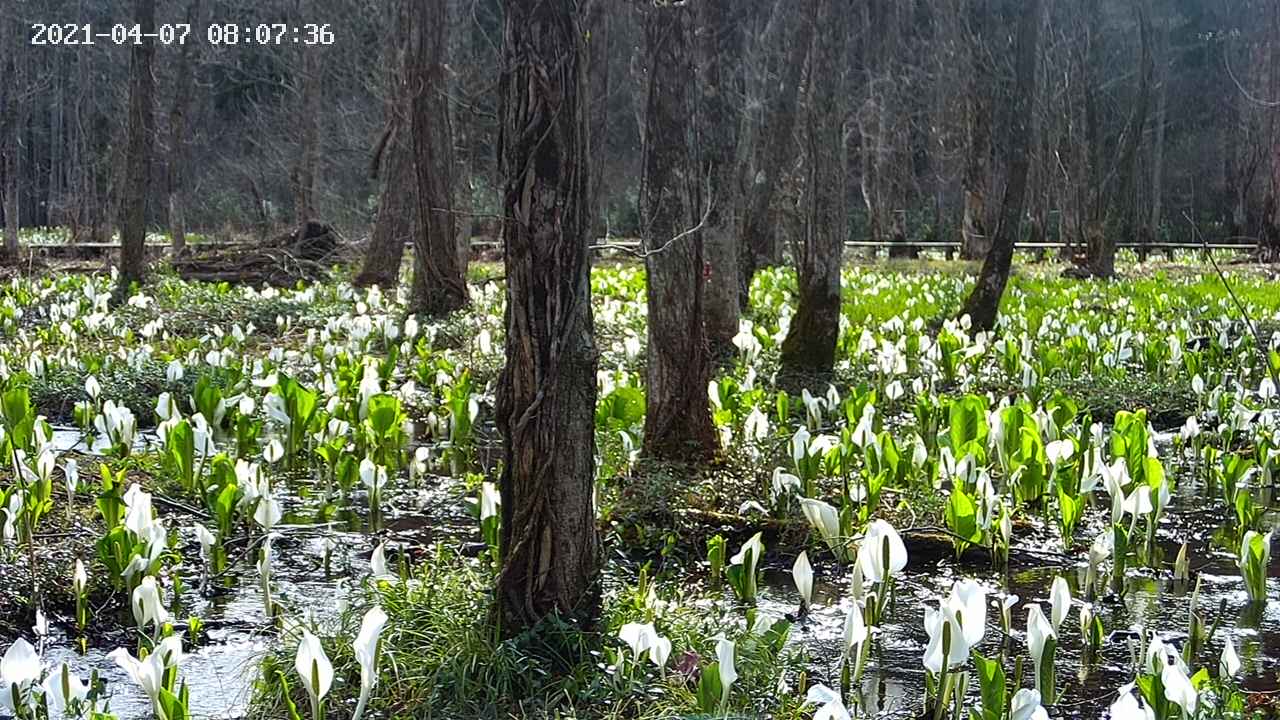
{"points": [[56, 393], [193, 309], [443, 658]]}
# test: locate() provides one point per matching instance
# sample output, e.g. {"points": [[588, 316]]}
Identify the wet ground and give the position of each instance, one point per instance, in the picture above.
{"points": [[235, 629], [220, 671], [894, 680]]}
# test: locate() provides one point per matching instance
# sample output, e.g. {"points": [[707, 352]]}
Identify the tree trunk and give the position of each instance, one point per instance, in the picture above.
{"points": [[720, 50], [599, 44], [397, 218], [810, 346], [678, 415], [439, 283], [178, 140], [1156, 219], [976, 239], [1124, 218], [547, 392], [11, 104], [137, 164], [983, 304], [759, 228], [303, 176]]}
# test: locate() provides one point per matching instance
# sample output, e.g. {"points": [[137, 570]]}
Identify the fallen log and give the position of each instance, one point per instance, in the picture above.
{"points": [[302, 255]]}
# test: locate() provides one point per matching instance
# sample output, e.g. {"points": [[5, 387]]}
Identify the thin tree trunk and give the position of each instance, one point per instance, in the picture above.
{"points": [[977, 174], [1123, 215], [55, 196], [720, 50], [1161, 126], [547, 392], [303, 176], [983, 304], [810, 346], [678, 415], [439, 283], [759, 227], [178, 140], [1269, 239], [137, 165], [11, 219]]}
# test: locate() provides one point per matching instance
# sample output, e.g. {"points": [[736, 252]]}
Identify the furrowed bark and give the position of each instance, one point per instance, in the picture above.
{"points": [[810, 345], [678, 415], [137, 169], [397, 219], [547, 391], [720, 51], [439, 282]]}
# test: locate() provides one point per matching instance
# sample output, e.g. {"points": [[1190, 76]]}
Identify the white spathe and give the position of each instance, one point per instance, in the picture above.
{"points": [[1059, 602], [366, 649], [314, 668], [802, 573], [882, 553]]}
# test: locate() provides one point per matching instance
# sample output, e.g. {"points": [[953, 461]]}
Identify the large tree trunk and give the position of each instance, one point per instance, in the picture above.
{"points": [[678, 416], [11, 104], [600, 30], [759, 246], [810, 346], [137, 164], [547, 391], [178, 139], [439, 282], [983, 304]]}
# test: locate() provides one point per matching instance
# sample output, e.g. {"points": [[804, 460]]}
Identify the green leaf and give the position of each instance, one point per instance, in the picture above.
{"points": [[173, 707], [709, 689], [994, 691], [962, 519], [621, 409], [384, 414], [968, 422], [287, 696], [1070, 510]]}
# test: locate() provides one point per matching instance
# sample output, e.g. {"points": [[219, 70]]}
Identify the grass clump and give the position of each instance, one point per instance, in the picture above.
{"points": [[443, 657]]}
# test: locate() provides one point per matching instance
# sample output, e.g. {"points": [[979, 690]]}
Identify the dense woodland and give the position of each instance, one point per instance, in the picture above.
{"points": [[1145, 113]]}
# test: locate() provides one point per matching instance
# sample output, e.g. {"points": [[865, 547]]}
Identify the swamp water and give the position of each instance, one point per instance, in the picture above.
{"points": [[235, 632], [220, 672]]}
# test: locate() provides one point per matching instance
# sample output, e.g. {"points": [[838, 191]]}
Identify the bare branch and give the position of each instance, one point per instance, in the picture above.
{"points": [[642, 254]]}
